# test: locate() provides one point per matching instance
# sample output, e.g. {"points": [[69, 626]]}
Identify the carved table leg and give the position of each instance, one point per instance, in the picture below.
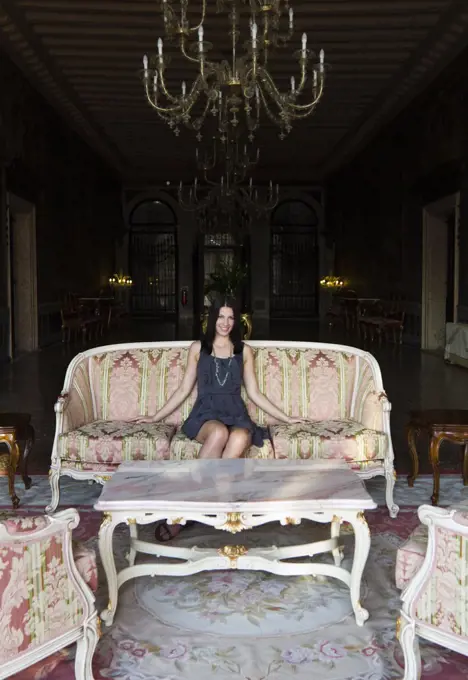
{"points": [[106, 549], [465, 466], [412, 432], [361, 552], [434, 456]]}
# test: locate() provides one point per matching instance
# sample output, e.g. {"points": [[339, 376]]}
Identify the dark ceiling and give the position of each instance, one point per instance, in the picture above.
{"points": [[85, 56]]}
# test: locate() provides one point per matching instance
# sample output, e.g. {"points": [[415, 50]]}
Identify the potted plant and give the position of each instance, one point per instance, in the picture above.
{"points": [[227, 280]]}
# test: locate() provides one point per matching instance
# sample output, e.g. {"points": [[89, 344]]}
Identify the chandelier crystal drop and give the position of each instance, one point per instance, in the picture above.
{"points": [[235, 91]]}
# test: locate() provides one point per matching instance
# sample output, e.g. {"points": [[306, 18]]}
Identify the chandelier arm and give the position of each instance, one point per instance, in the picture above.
{"points": [[273, 116], [296, 109], [182, 25], [187, 56]]}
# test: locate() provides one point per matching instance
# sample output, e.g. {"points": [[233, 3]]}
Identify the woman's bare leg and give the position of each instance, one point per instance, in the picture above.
{"points": [[238, 443], [213, 436]]}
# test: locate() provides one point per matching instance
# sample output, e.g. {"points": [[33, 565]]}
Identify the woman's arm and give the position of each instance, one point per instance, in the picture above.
{"points": [[184, 389], [259, 399]]}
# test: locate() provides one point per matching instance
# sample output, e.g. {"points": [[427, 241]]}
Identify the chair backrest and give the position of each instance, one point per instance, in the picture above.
{"points": [[313, 380]]}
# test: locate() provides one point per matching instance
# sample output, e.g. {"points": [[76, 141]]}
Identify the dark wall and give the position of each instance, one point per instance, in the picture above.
{"points": [[375, 203], [77, 196]]}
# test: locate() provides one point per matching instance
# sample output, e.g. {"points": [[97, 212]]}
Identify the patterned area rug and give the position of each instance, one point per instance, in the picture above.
{"points": [[236, 625]]}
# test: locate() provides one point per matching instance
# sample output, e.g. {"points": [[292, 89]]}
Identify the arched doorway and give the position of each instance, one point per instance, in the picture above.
{"points": [[294, 261], [153, 259]]}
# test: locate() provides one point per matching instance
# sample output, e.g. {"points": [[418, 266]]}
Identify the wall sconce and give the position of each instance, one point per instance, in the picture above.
{"points": [[333, 282], [120, 280]]}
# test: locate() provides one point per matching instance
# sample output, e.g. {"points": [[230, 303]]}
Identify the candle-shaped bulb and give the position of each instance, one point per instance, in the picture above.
{"points": [[253, 31], [155, 83], [160, 47], [145, 65], [315, 78], [293, 84], [322, 60], [304, 44], [184, 88], [200, 39], [291, 17]]}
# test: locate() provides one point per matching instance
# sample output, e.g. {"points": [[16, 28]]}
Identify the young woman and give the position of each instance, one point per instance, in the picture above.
{"points": [[219, 420]]}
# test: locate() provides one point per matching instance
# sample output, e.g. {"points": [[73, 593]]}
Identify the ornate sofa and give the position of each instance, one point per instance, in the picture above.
{"points": [[432, 571], [338, 388], [46, 602]]}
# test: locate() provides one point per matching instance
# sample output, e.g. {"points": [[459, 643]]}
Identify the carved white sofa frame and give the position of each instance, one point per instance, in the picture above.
{"points": [[386, 469], [409, 627], [86, 634]]}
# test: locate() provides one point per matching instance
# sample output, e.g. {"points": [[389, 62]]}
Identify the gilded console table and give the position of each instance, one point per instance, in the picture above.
{"points": [[15, 427]]}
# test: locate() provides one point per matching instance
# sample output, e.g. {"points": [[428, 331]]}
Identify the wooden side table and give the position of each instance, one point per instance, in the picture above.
{"points": [[15, 427], [440, 425]]}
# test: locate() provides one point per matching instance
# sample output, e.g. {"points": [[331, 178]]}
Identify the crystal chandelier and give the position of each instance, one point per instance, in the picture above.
{"points": [[241, 86], [223, 185]]}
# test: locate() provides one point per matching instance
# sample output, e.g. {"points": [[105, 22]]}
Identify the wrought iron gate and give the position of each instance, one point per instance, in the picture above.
{"points": [[153, 262]]}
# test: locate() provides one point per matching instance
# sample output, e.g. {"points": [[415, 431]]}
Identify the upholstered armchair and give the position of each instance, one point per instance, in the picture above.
{"points": [[46, 601], [432, 570]]}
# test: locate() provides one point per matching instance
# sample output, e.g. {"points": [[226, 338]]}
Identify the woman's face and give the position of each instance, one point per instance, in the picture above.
{"points": [[225, 322]]}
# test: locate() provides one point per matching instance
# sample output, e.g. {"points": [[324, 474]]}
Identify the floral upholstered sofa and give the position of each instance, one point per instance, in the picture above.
{"points": [[432, 571], [338, 388], [46, 598]]}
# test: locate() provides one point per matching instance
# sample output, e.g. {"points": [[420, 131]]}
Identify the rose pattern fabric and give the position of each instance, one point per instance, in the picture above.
{"points": [[38, 598], [111, 442], [410, 556], [443, 600], [183, 448], [339, 439]]}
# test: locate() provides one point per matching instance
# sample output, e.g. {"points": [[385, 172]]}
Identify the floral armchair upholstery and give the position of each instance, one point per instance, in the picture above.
{"points": [[337, 388], [432, 570], [46, 602]]}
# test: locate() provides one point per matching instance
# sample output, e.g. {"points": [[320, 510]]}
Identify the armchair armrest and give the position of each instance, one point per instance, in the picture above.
{"points": [[437, 595], [42, 595]]}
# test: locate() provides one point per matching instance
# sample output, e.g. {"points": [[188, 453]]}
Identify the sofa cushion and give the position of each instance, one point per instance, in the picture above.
{"points": [[183, 448], [410, 556], [111, 442], [342, 439]]}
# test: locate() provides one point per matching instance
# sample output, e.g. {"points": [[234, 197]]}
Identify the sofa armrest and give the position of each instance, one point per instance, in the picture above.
{"points": [[373, 410], [437, 595], [42, 594]]}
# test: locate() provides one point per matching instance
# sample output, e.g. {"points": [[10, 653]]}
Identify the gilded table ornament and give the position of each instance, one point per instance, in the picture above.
{"points": [[233, 552]]}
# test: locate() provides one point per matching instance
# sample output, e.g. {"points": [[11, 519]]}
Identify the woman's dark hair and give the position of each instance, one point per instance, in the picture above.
{"points": [[235, 335]]}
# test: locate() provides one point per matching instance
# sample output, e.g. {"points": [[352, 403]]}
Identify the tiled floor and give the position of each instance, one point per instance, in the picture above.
{"points": [[411, 378]]}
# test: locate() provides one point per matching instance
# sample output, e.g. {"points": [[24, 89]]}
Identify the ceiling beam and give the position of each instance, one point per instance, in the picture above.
{"points": [[441, 46], [35, 59]]}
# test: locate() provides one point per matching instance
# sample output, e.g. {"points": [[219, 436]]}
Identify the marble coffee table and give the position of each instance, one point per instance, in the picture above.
{"points": [[233, 496]]}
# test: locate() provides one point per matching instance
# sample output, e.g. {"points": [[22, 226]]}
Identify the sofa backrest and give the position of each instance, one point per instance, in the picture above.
{"points": [[311, 380]]}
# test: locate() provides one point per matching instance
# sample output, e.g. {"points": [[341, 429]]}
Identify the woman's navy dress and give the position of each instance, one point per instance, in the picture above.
{"points": [[222, 402]]}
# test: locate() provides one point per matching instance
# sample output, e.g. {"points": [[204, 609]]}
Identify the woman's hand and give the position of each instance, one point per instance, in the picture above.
{"points": [[143, 419], [293, 419]]}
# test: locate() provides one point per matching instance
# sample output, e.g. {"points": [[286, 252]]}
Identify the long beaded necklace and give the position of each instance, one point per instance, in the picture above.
{"points": [[222, 382]]}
